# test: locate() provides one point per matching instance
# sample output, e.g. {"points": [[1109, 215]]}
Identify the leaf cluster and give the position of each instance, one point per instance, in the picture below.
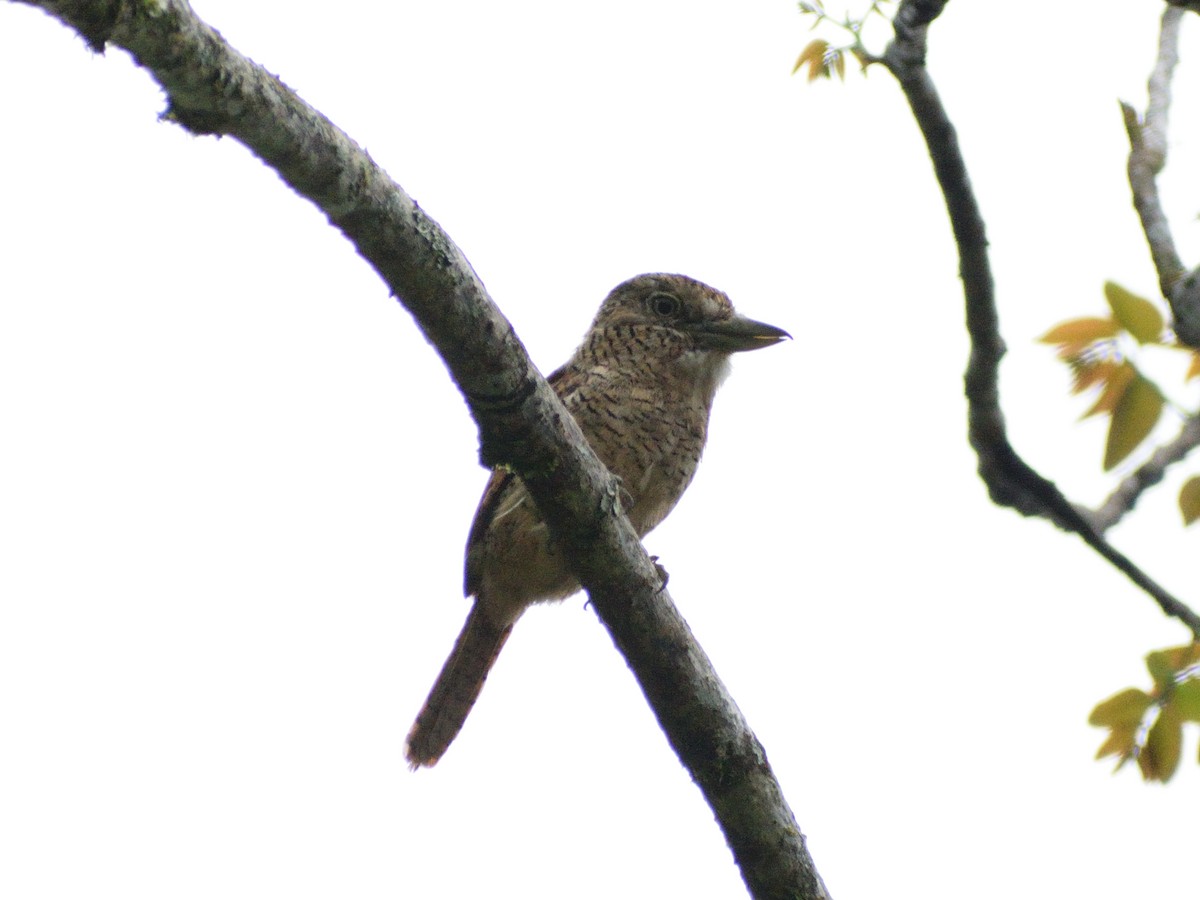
{"points": [[1100, 353], [824, 59], [1147, 726]]}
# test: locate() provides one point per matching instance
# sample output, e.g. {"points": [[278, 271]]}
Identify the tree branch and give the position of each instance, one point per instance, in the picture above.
{"points": [[1151, 472], [522, 424], [1010, 480], [1147, 157]]}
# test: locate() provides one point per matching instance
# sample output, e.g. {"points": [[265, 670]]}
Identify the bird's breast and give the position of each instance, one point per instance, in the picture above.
{"points": [[650, 435]]}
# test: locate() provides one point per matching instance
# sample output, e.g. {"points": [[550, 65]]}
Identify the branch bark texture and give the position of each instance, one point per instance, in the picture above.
{"points": [[1147, 158], [1010, 480], [1148, 474], [211, 89]]}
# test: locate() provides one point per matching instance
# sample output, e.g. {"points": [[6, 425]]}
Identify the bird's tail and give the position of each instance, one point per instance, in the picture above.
{"points": [[456, 689]]}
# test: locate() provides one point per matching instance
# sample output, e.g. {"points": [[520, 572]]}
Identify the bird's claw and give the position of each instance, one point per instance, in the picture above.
{"points": [[663, 575]]}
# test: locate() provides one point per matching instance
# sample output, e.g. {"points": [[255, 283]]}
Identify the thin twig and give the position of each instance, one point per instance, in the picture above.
{"points": [[1010, 480], [1151, 472], [1148, 154], [1147, 157]]}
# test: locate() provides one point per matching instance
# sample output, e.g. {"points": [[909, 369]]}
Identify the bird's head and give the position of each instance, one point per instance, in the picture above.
{"points": [[700, 314]]}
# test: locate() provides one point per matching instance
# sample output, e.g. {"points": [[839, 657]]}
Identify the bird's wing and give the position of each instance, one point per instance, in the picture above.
{"points": [[501, 483], [502, 488]]}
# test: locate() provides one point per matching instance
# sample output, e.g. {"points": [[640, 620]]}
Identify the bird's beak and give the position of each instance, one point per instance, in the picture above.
{"points": [[737, 334]]}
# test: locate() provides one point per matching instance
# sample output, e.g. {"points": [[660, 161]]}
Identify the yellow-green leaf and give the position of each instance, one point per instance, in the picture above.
{"points": [[1122, 715], [1137, 315], [1163, 665], [1134, 416], [1122, 709], [1121, 742], [1115, 385], [1194, 369], [1088, 374], [1159, 758], [1186, 700], [1080, 332], [814, 55], [1189, 500], [839, 65]]}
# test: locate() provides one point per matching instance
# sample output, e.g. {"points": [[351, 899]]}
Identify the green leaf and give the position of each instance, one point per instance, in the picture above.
{"points": [[1122, 715], [1189, 500], [1134, 417], [1137, 315], [1186, 700], [1126, 708], [1121, 742], [1080, 332], [1161, 665], [1164, 665], [1159, 758]]}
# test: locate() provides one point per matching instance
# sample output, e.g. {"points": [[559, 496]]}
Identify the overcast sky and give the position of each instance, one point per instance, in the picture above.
{"points": [[237, 481]]}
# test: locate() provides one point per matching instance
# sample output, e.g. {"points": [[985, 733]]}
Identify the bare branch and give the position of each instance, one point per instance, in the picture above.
{"points": [[1010, 480], [1150, 473], [1158, 109], [1147, 157], [213, 90]]}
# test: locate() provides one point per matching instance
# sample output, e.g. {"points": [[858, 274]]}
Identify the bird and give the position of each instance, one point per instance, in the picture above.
{"points": [[641, 386]]}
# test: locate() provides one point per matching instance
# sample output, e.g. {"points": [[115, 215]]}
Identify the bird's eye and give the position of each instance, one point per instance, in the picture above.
{"points": [[665, 305]]}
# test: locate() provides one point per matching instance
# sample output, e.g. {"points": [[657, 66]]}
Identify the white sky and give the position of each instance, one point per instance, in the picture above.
{"points": [[237, 481]]}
